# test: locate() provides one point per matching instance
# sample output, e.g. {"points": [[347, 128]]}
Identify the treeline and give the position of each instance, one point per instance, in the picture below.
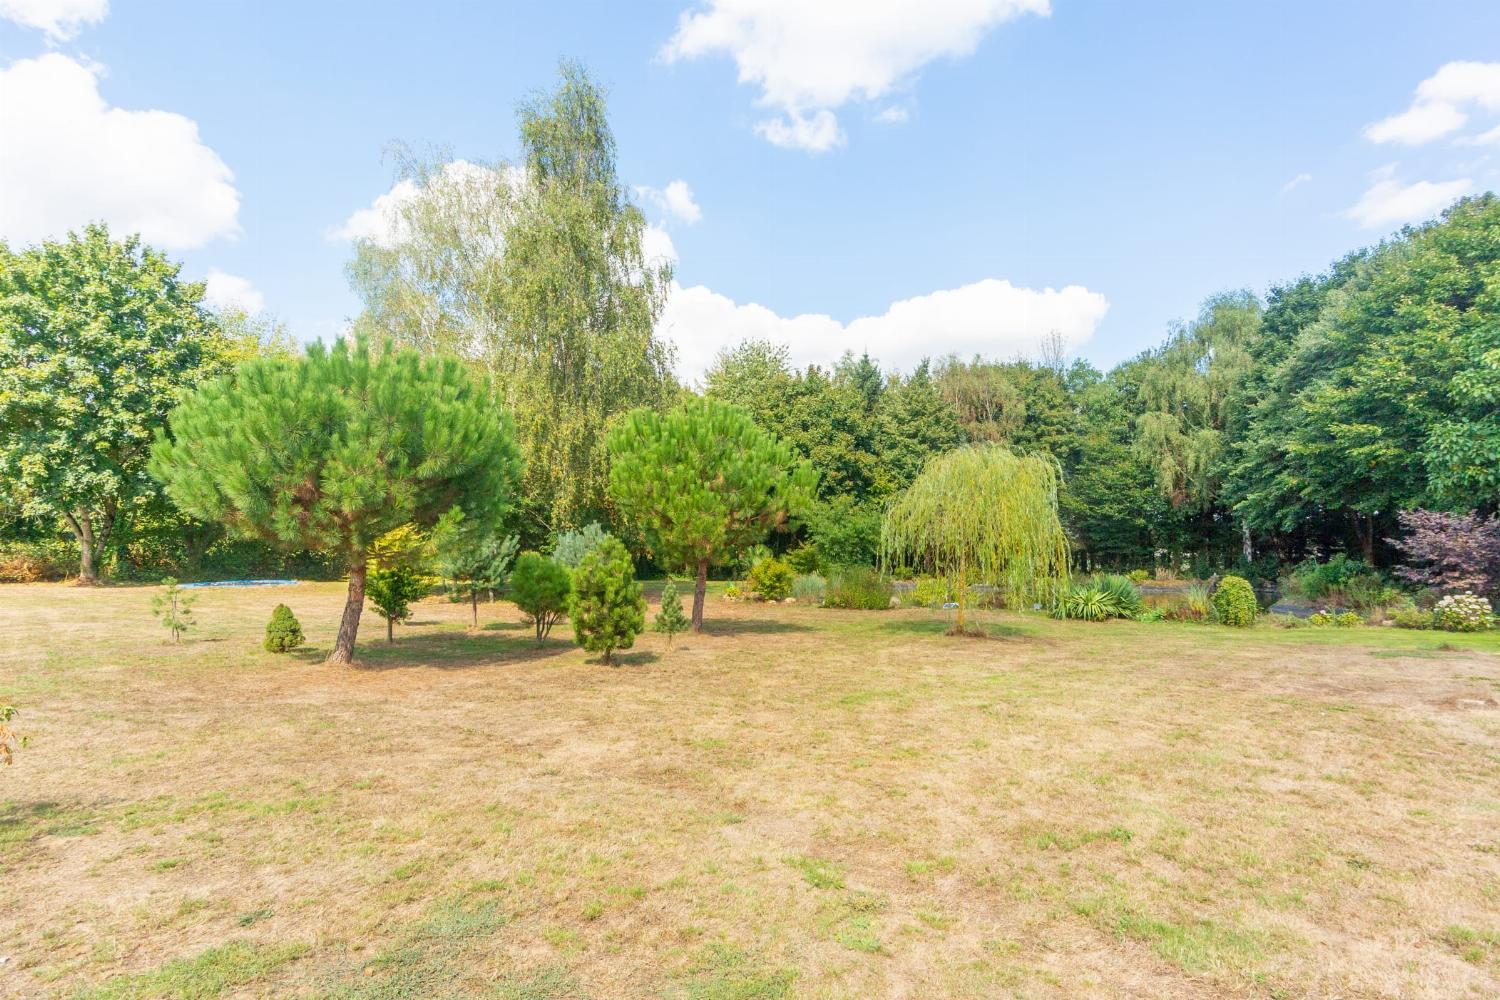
{"points": [[1259, 432]]}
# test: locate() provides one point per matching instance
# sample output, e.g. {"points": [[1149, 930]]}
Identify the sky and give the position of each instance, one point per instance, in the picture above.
{"points": [[910, 179]]}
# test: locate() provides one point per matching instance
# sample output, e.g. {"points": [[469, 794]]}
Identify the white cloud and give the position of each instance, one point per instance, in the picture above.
{"points": [[989, 317], [60, 19], [68, 159], [230, 291], [1422, 122], [381, 222], [816, 133], [809, 59], [1295, 183], [657, 247], [1490, 138], [1437, 109], [676, 199], [1388, 202], [893, 115]]}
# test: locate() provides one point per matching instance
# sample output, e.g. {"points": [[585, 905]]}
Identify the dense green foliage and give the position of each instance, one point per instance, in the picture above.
{"points": [[330, 451], [983, 515], [98, 340], [607, 608], [283, 631], [702, 483], [1233, 602], [541, 588], [670, 619]]}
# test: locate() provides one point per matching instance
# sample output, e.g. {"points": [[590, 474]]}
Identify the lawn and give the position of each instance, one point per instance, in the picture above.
{"points": [[804, 803]]}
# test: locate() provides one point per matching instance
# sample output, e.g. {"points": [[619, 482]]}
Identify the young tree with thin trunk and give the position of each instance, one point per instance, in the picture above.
{"points": [[983, 515], [330, 451], [702, 483]]}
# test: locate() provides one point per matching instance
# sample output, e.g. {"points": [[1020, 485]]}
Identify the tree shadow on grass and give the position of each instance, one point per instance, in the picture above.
{"points": [[942, 627], [750, 626], [636, 659], [446, 650]]}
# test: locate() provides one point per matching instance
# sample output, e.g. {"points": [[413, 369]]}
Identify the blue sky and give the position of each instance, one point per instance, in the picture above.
{"points": [[1141, 155]]}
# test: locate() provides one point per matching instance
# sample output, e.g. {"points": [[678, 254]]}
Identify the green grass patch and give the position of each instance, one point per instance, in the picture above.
{"points": [[203, 977], [721, 972], [818, 873]]}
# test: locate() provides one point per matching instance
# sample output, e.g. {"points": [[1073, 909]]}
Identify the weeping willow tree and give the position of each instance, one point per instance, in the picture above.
{"points": [[1192, 390], [983, 514]]}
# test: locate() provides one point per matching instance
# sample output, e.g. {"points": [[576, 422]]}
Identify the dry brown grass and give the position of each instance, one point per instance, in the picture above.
{"points": [[806, 803]]}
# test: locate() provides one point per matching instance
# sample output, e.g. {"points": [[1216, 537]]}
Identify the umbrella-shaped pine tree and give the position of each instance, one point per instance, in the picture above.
{"points": [[330, 451], [702, 482]]}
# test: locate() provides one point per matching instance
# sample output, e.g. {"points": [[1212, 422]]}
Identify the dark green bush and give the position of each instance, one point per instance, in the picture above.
{"points": [[771, 579], [860, 588], [804, 559], [1233, 602], [541, 588], [283, 632]]}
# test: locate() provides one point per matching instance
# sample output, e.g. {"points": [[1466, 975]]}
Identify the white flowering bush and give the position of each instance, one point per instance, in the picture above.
{"points": [[1464, 612]]}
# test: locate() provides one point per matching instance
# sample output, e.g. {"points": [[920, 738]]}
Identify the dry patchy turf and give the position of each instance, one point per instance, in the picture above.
{"points": [[805, 803]]}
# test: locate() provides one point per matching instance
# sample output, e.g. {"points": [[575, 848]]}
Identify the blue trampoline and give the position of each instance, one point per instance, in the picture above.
{"points": [[242, 583]]}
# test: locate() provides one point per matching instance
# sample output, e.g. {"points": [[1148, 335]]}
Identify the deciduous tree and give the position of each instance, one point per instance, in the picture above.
{"points": [[983, 515], [99, 338]]}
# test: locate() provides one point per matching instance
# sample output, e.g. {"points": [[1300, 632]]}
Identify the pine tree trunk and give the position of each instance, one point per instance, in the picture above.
{"points": [[474, 606], [700, 586], [354, 604]]}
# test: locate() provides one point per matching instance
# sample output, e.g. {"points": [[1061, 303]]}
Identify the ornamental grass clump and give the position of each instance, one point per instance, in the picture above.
{"points": [[1103, 597], [983, 514], [1233, 602], [1466, 612], [858, 588]]}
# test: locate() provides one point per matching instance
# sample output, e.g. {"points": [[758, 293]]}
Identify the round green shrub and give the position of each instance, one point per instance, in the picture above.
{"points": [[283, 632], [771, 579], [1233, 602]]}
